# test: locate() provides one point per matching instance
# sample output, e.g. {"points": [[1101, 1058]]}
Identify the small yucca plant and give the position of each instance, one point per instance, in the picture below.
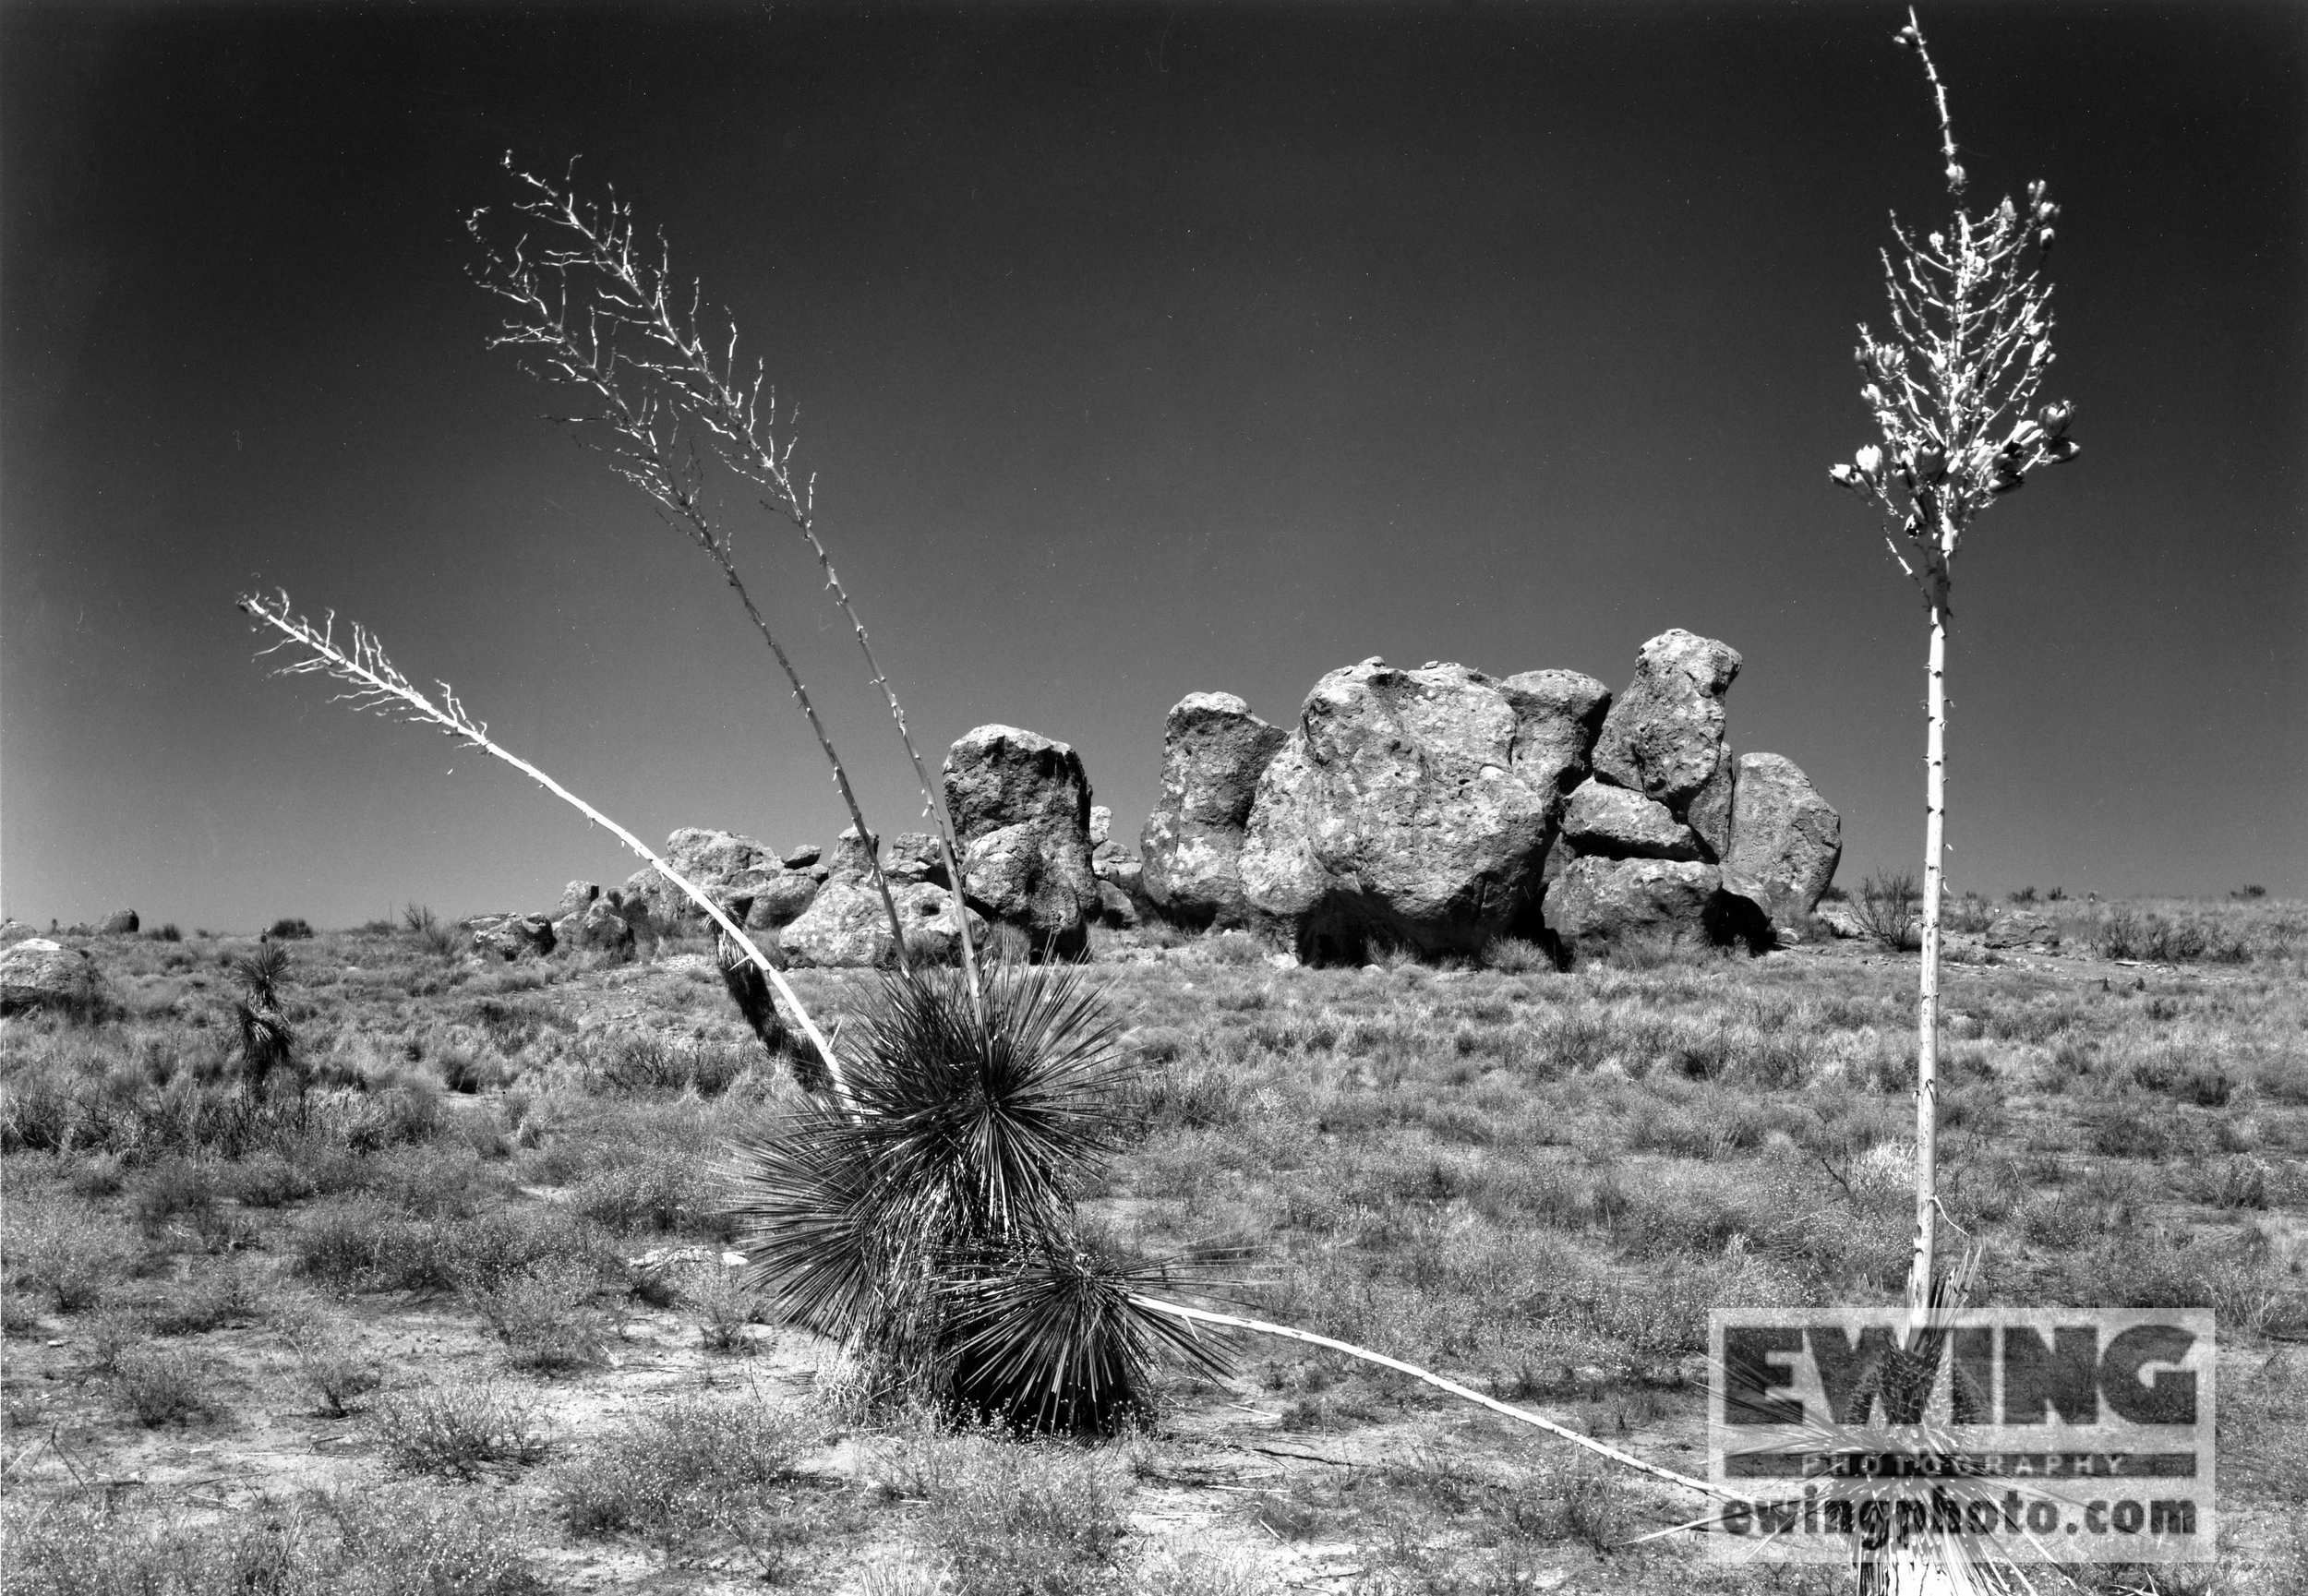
{"points": [[927, 1223]]}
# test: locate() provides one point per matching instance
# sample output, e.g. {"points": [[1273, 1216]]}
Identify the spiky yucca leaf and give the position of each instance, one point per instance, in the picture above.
{"points": [[1057, 1341]]}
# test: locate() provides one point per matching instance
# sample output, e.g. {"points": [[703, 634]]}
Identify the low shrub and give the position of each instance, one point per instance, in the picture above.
{"points": [[1045, 1516], [452, 1429], [289, 928], [394, 1541], [162, 1385], [692, 1475], [1515, 956], [543, 1314], [68, 1252]]}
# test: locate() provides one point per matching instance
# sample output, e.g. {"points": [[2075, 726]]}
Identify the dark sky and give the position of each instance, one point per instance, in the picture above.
{"points": [[1140, 351]]}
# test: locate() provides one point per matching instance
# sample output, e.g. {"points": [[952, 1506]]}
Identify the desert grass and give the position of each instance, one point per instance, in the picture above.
{"points": [[1535, 1182]]}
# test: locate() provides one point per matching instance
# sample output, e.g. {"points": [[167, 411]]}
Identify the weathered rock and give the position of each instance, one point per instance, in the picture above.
{"points": [[2020, 929], [848, 926], [1126, 873], [916, 856], [1842, 920], [1596, 901], [1214, 751], [1786, 839], [575, 899], [1101, 827], [1115, 909], [597, 928], [510, 936], [1408, 806], [119, 923], [1558, 714], [770, 896], [854, 854], [802, 859], [1613, 822], [39, 973], [1709, 811], [1020, 804], [1664, 735]]}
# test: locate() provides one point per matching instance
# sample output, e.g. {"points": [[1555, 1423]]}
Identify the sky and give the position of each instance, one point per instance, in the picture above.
{"points": [[1139, 351]]}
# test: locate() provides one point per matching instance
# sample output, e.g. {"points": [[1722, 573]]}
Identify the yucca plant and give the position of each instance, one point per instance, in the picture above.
{"points": [[268, 1041], [1952, 388], [928, 1225]]}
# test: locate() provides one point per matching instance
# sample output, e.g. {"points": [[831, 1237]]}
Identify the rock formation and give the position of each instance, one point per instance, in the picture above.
{"points": [[1785, 840], [1021, 810], [511, 936], [119, 923], [39, 973], [1214, 751], [849, 924], [1413, 806], [1437, 807]]}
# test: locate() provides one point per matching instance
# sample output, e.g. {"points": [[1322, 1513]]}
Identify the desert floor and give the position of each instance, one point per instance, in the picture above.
{"points": [[464, 1323]]}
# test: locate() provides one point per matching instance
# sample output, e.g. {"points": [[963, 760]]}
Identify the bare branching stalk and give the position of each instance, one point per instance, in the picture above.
{"points": [[1950, 386], [376, 686], [1260, 1326], [668, 375]]}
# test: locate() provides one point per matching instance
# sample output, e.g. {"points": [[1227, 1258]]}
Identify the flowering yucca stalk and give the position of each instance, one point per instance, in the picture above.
{"points": [[603, 313], [1952, 388]]}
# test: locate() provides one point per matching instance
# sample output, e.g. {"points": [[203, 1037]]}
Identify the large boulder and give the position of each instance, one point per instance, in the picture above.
{"points": [[1558, 713], [1411, 807], [1214, 751], [1020, 805], [1597, 903], [39, 973], [1664, 735], [511, 936], [597, 928], [849, 924], [119, 923], [1786, 839], [1613, 822], [575, 899], [750, 884]]}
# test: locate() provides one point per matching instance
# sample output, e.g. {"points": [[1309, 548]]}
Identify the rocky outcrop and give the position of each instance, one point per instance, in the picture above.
{"points": [[511, 936], [1786, 839], [916, 856], [1411, 807], [575, 899], [37, 973], [1214, 751], [1612, 822], [848, 924], [597, 928], [747, 883], [1663, 736], [1020, 805], [1597, 904], [119, 923]]}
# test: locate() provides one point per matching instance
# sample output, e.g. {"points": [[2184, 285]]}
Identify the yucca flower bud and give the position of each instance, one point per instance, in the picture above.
{"points": [[1904, 38], [1954, 175], [1844, 475], [2043, 239], [1869, 459], [2056, 415], [2045, 210]]}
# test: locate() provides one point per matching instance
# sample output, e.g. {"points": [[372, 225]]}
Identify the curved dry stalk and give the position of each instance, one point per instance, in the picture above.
{"points": [[378, 687], [1260, 1326], [684, 372]]}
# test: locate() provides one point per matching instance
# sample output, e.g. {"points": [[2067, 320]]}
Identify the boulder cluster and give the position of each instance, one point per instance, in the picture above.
{"points": [[1431, 809], [1436, 809]]}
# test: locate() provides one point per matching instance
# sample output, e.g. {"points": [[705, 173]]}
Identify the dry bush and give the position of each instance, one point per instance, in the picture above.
{"points": [[452, 1429], [1046, 1517], [691, 1476], [68, 1252], [544, 1314], [163, 1386], [1890, 909]]}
